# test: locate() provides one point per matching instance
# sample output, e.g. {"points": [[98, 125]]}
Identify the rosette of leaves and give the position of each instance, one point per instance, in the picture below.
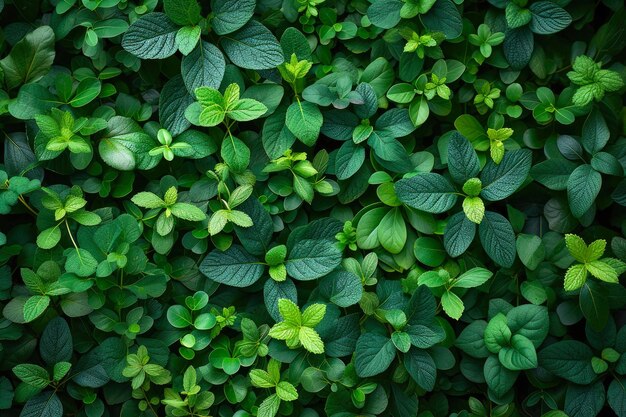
{"points": [[355, 130], [450, 288], [581, 168], [592, 81], [436, 15], [165, 210], [196, 323], [523, 21], [45, 285], [191, 400], [508, 341], [213, 108], [297, 328], [589, 260], [309, 256], [404, 329], [429, 92], [433, 193], [271, 379], [247, 43], [584, 371], [12, 190], [305, 179]]}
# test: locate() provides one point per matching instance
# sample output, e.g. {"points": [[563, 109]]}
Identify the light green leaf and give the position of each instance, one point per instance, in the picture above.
{"points": [[35, 306], [452, 305], [304, 120], [472, 278], [575, 277]]}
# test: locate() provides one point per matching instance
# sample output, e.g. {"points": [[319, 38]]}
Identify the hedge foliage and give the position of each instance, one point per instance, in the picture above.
{"points": [[239, 208]]}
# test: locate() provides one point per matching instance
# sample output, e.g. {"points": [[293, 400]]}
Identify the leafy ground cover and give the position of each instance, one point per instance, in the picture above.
{"points": [[238, 208]]}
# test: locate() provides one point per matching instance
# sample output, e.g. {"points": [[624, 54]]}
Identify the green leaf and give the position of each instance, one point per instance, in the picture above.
{"points": [[30, 58], [261, 379], [153, 36], [269, 406], [187, 38], [548, 18], [498, 239], [80, 262], [304, 120], [45, 404], [385, 14], [311, 259], [187, 211], [529, 321], [230, 15], [173, 101], [421, 367], [462, 159], [474, 209], [595, 134], [56, 343], [575, 277], [518, 47], [49, 238], [472, 278], [204, 66], [235, 153], [497, 334], [392, 233], [503, 179], [568, 359], [444, 17], [234, 267], [148, 200], [342, 288], [530, 250], [87, 91], [125, 145], [253, 47], [459, 234], [246, 109], [33, 375], [517, 16], [583, 186], [373, 354], [452, 305], [179, 317], [499, 379], [182, 12], [429, 251], [35, 306], [616, 396], [427, 192], [286, 391], [311, 340], [602, 271], [520, 355], [349, 160]]}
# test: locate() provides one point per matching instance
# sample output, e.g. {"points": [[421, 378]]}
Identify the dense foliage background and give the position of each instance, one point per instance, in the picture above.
{"points": [[312, 208]]}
